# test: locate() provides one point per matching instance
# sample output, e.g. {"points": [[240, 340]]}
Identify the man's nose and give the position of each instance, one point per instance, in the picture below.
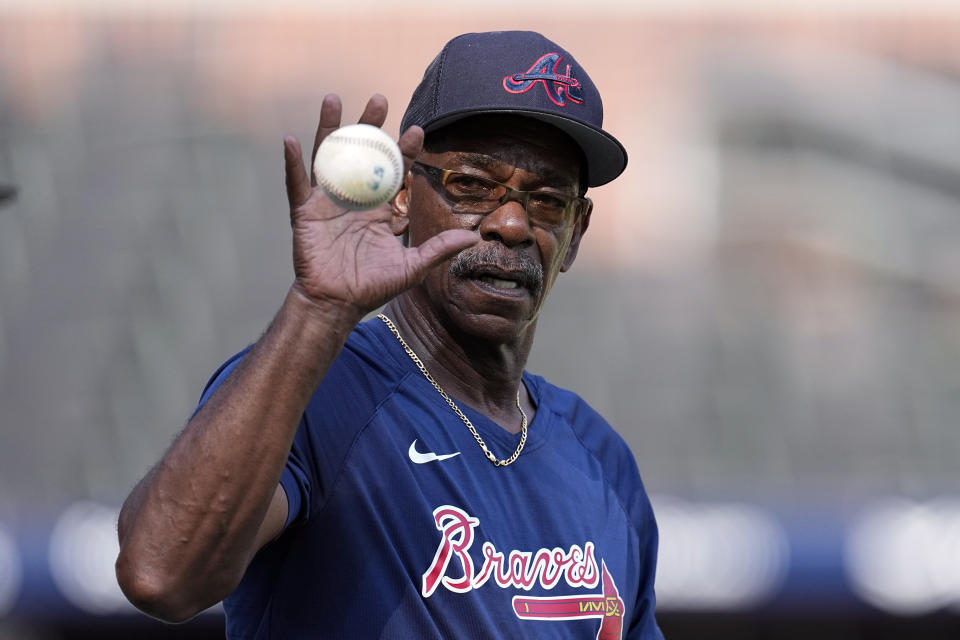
{"points": [[509, 224]]}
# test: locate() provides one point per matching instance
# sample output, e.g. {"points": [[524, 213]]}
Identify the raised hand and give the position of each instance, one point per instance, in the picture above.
{"points": [[354, 258]]}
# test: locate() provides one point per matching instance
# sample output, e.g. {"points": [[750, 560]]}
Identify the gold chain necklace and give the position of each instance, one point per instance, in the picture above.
{"points": [[483, 445]]}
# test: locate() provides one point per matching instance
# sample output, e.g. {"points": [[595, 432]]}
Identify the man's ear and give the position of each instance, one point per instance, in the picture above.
{"points": [[399, 222], [579, 229]]}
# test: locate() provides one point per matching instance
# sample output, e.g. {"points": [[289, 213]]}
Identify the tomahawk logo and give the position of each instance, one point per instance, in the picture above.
{"points": [[559, 86], [607, 606], [453, 568]]}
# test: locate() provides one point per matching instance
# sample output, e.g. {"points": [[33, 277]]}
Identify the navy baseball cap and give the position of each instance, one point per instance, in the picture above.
{"points": [[523, 73]]}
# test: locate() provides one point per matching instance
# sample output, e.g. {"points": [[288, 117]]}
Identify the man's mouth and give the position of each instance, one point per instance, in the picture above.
{"points": [[508, 282], [497, 270], [499, 283]]}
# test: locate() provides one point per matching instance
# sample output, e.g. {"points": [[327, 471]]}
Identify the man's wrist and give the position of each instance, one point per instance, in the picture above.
{"points": [[324, 313]]}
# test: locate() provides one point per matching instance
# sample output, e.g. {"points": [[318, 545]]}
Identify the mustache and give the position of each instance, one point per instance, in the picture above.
{"points": [[488, 260]]}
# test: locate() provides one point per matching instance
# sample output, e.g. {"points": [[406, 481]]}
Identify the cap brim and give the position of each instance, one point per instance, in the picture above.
{"points": [[606, 157]]}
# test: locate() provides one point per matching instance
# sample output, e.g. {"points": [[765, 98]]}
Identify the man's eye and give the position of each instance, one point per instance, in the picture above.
{"points": [[462, 184], [548, 202]]}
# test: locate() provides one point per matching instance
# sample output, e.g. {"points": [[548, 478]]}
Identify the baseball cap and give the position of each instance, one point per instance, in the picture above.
{"points": [[523, 73]]}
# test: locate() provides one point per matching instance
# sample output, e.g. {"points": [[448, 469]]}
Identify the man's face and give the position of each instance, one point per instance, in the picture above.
{"points": [[497, 287]]}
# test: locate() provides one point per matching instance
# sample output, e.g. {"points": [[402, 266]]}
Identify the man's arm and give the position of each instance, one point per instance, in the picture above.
{"points": [[190, 528]]}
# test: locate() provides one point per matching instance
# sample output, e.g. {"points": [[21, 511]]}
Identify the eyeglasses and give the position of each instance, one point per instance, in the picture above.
{"points": [[472, 194]]}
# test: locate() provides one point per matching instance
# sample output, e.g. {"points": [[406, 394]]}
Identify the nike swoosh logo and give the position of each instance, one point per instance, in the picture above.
{"points": [[429, 456]]}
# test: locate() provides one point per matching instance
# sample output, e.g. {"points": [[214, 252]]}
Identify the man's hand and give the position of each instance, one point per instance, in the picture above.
{"points": [[354, 258]]}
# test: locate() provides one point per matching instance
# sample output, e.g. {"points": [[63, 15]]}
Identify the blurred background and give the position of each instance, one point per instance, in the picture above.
{"points": [[766, 306]]}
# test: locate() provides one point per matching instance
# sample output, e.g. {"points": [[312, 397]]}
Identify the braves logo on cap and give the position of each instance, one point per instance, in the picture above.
{"points": [[558, 86]]}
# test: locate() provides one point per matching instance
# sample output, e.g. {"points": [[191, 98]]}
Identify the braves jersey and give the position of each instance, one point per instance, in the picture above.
{"points": [[399, 527]]}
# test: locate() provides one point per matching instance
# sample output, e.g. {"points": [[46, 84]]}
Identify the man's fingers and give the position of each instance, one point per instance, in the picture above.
{"points": [[298, 184], [331, 110], [375, 112], [410, 143], [444, 245]]}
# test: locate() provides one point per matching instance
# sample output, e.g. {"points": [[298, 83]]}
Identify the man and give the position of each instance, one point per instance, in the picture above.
{"points": [[404, 477]]}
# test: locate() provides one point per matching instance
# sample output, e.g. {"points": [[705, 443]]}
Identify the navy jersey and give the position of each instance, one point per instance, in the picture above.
{"points": [[399, 527]]}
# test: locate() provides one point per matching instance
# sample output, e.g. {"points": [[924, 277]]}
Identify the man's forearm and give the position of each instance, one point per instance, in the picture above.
{"points": [[189, 528]]}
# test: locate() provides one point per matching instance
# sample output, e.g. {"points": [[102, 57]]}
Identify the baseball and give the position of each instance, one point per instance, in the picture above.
{"points": [[359, 167]]}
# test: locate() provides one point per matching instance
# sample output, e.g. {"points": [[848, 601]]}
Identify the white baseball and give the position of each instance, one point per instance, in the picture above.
{"points": [[359, 166]]}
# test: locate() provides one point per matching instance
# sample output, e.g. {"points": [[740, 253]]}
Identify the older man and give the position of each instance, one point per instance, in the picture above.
{"points": [[404, 477]]}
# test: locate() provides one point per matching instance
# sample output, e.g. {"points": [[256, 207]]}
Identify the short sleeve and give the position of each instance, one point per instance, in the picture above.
{"points": [[644, 625], [295, 479], [219, 377]]}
